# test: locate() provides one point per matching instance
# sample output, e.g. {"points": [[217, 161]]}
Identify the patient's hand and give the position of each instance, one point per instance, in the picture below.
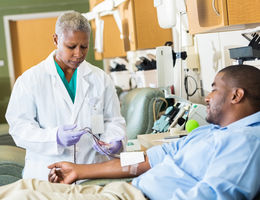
{"points": [[63, 172]]}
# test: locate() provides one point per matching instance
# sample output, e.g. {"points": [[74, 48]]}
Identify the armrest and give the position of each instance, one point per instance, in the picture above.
{"points": [[11, 164]]}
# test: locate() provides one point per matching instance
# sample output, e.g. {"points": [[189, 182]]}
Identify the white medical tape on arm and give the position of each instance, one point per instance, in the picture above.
{"points": [[131, 159]]}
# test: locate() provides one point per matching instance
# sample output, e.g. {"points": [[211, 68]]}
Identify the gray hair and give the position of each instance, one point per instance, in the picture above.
{"points": [[72, 21]]}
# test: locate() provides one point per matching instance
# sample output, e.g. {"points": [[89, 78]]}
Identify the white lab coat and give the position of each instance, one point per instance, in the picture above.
{"points": [[40, 103]]}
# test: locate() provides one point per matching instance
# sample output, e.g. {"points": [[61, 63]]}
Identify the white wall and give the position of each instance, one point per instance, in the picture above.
{"points": [[214, 53]]}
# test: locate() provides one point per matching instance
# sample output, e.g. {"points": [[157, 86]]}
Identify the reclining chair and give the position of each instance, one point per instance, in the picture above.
{"points": [[11, 163], [11, 157], [140, 108], [5, 137]]}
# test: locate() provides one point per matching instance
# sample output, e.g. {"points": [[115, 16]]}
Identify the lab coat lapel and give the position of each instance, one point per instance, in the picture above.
{"points": [[59, 88], [81, 92], [61, 91]]}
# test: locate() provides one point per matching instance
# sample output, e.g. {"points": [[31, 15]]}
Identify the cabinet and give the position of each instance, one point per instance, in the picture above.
{"points": [[221, 15], [140, 26]]}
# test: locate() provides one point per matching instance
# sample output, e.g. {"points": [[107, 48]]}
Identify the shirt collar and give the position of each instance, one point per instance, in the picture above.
{"points": [[214, 126], [246, 121]]}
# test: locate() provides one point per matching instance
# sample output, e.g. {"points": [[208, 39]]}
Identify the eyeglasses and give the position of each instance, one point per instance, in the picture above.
{"points": [[97, 141]]}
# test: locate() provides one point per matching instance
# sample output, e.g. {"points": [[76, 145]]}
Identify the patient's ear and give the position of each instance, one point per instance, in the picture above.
{"points": [[238, 94]]}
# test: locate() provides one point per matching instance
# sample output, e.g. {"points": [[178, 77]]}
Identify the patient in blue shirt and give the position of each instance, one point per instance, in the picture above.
{"points": [[218, 161]]}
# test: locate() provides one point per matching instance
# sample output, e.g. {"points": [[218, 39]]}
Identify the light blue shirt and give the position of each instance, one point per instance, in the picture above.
{"points": [[210, 163]]}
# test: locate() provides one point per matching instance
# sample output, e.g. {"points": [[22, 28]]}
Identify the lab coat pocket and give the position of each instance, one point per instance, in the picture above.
{"points": [[97, 118], [97, 123]]}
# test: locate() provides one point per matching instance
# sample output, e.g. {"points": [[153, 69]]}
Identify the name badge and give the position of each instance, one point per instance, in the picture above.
{"points": [[97, 124]]}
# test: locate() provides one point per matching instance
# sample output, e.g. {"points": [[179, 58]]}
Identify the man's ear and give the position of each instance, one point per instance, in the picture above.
{"points": [[55, 39], [237, 95]]}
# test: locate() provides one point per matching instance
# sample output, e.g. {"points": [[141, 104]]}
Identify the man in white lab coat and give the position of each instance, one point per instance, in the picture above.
{"points": [[53, 102]]}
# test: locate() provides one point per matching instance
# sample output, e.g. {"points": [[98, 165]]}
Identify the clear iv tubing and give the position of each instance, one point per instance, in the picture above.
{"points": [[75, 160], [96, 140]]}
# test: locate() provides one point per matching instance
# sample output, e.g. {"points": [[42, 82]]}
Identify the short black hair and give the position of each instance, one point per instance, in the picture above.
{"points": [[246, 77]]}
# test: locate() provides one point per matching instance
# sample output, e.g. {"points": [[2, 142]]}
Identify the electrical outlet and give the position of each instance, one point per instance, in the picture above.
{"points": [[192, 59], [2, 63]]}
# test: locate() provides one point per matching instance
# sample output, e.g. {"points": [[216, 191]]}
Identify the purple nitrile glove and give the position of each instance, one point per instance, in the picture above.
{"points": [[67, 135], [110, 148]]}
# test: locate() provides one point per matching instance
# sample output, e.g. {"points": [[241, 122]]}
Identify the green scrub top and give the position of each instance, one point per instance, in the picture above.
{"points": [[70, 86]]}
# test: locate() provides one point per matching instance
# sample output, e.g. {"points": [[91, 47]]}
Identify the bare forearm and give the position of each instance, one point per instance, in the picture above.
{"points": [[110, 169], [67, 172]]}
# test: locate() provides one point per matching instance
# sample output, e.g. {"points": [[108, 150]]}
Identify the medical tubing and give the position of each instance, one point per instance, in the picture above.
{"points": [[96, 139], [186, 86], [154, 103], [100, 147], [74, 154]]}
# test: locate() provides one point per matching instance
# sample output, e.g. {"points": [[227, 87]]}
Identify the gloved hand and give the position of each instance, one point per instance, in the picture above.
{"points": [[67, 135], [111, 148]]}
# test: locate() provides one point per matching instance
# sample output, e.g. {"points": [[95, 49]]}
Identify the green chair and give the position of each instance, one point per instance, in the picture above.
{"points": [[5, 137], [11, 157], [103, 181], [11, 164], [139, 107]]}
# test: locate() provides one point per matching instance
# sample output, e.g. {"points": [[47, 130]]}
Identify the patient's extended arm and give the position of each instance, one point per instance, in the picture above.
{"points": [[67, 172]]}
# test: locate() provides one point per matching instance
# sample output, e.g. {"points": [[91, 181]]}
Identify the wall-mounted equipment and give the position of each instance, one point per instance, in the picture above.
{"points": [[177, 115], [250, 52]]}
